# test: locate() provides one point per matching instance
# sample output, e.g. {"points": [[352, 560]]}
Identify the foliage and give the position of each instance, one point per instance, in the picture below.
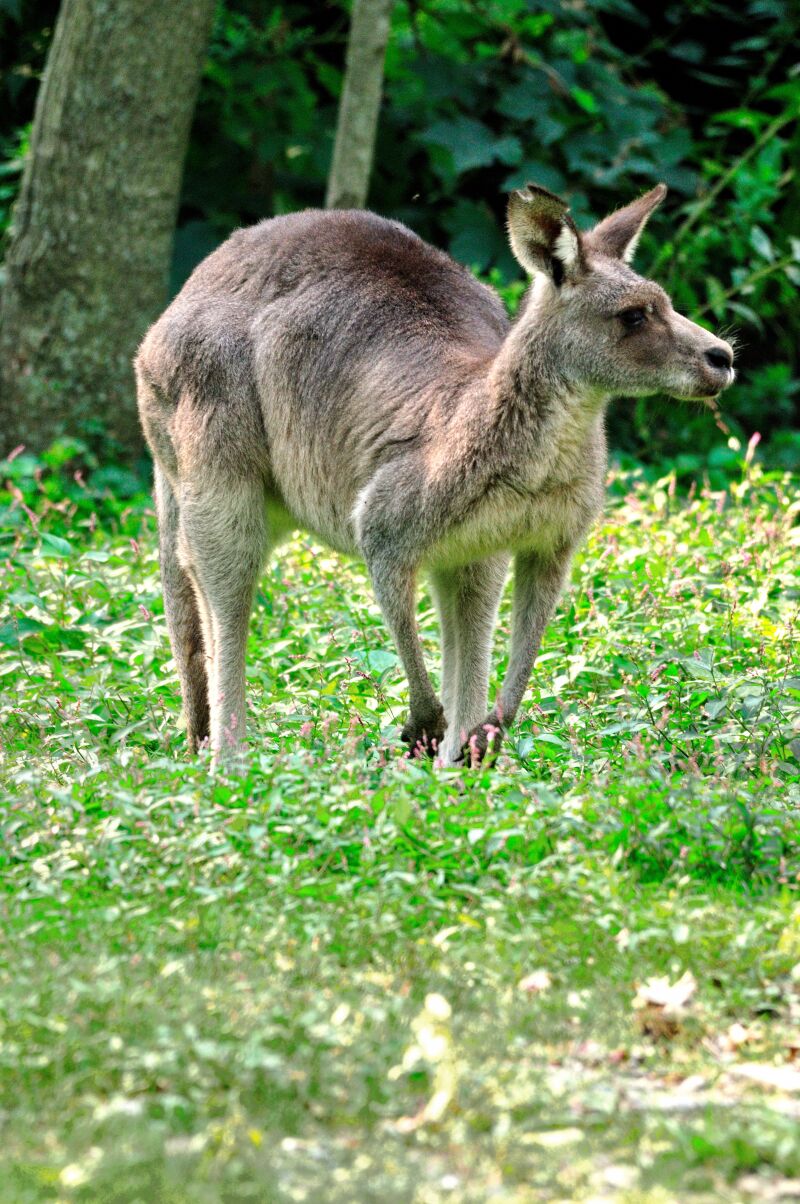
{"points": [[308, 979], [496, 96], [347, 974], [12, 155], [26, 27], [479, 99], [593, 100]]}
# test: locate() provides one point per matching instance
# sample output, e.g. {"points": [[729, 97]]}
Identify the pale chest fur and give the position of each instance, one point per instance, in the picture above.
{"points": [[545, 504]]}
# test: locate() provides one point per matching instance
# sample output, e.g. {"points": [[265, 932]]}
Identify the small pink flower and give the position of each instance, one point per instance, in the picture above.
{"points": [[753, 443]]}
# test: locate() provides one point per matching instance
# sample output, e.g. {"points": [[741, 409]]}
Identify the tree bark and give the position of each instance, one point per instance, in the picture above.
{"points": [[89, 250], [357, 124]]}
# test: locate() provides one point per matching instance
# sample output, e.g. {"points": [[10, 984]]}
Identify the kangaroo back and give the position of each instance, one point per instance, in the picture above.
{"points": [[331, 371]]}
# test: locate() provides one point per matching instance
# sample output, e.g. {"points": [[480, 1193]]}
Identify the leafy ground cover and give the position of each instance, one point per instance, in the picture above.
{"points": [[350, 976]]}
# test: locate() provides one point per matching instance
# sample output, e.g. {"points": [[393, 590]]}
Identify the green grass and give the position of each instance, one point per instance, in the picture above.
{"points": [[304, 984]]}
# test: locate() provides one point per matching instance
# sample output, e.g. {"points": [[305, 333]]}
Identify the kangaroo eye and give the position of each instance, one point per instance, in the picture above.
{"points": [[631, 318]]}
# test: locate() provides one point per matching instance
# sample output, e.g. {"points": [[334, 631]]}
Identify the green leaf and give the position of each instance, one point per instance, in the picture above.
{"points": [[761, 243], [11, 633], [742, 118], [470, 143], [585, 99], [378, 659], [55, 546], [477, 239], [689, 51], [508, 150]]}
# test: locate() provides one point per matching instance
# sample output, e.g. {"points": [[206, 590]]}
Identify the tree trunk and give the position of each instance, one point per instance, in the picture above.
{"points": [[353, 149], [88, 256]]}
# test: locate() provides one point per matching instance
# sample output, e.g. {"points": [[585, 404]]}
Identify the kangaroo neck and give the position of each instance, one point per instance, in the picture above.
{"points": [[535, 404]]}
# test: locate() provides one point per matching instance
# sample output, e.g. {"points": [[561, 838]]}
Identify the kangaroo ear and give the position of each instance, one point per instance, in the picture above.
{"points": [[618, 234], [542, 234]]}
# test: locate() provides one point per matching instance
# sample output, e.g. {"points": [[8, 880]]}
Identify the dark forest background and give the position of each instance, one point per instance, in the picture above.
{"points": [[595, 99]]}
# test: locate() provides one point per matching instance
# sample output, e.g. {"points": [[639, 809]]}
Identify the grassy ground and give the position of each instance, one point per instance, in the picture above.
{"points": [[350, 977]]}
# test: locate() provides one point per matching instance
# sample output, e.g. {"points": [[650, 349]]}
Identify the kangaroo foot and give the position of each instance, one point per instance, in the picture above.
{"points": [[424, 733], [483, 742]]}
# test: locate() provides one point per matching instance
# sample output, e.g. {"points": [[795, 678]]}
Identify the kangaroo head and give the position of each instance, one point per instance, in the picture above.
{"points": [[613, 332]]}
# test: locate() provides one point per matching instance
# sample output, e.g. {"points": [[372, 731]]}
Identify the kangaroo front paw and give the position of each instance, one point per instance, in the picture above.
{"points": [[483, 742], [424, 734]]}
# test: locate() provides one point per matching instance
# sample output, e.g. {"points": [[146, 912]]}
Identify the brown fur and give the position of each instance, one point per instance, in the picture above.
{"points": [[333, 372]]}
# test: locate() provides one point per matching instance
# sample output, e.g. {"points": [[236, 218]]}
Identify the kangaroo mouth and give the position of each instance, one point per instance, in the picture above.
{"points": [[710, 396], [700, 398], [705, 390]]}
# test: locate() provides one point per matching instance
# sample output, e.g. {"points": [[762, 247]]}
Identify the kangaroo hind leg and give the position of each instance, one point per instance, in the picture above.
{"points": [[223, 546], [185, 621]]}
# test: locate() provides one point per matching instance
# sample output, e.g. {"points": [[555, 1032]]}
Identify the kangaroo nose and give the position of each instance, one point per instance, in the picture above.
{"points": [[719, 357]]}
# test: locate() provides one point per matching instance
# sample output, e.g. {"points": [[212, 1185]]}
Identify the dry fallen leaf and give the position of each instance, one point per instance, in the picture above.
{"points": [[725, 1046], [693, 1083], [738, 1035], [766, 1190], [536, 982], [553, 1139], [661, 1006], [765, 1074], [433, 1044]]}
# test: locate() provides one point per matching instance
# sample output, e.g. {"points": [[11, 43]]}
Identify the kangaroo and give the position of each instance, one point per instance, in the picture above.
{"points": [[330, 371]]}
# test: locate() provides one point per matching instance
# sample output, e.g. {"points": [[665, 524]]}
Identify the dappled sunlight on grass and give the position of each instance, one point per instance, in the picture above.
{"points": [[248, 987]]}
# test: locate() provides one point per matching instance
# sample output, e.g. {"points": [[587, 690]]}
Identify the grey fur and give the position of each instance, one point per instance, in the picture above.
{"points": [[333, 372]]}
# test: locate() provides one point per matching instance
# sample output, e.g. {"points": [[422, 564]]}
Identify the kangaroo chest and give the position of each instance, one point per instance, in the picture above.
{"points": [[550, 521], [544, 507]]}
